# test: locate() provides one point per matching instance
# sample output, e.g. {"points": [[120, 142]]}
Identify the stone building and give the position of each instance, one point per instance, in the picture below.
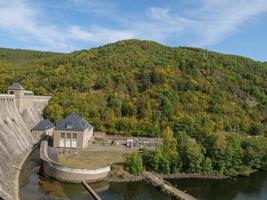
{"points": [[44, 127], [72, 132]]}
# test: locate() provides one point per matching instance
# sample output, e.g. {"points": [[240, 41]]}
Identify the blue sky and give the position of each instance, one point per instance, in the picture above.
{"points": [[228, 26]]}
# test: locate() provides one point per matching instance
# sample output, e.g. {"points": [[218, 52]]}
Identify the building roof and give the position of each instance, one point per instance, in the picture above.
{"points": [[16, 86], [43, 125], [73, 122]]}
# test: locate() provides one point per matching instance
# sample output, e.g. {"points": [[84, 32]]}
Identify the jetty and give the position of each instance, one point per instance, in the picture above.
{"points": [[166, 187], [91, 191]]}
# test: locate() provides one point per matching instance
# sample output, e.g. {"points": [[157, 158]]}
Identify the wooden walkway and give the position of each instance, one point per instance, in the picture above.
{"points": [[91, 191], [166, 187]]}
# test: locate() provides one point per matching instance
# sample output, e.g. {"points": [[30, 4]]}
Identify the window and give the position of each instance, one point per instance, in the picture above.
{"points": [[62, 140], [74, 140], [69, 125], [69, 135]]}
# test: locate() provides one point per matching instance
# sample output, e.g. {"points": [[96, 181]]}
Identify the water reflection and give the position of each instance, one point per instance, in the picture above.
{"points": [[39, 187], [244, 188], [33, 187]]}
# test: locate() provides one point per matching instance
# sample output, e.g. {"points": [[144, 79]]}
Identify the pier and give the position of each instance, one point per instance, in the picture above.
{"points": [[166, 187], [91, 191]]}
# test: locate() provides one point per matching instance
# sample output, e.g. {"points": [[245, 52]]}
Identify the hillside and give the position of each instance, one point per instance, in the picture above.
{"points": [[22, 56], [210, 102], [139, 87]]}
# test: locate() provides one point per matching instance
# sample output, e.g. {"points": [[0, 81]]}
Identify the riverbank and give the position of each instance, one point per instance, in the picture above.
{"points": [[192, 176], [126, 177]]}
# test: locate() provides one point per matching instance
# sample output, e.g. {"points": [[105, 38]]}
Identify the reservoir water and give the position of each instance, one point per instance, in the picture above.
{"points": [[253, 187], [35, 187], [38, 187]]}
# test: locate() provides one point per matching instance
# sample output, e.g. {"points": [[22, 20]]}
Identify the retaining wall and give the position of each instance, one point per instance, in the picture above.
{"points": [[67, 174]]}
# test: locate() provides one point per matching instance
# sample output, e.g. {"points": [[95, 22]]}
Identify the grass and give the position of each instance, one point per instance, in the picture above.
{"points": [[91, 159]]}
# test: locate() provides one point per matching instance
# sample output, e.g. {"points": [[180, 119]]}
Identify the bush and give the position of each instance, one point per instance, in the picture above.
{"points": [[207, 165], [134, 163]]}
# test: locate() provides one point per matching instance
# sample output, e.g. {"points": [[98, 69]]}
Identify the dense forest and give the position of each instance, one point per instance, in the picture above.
{"points": [[213, 107]]}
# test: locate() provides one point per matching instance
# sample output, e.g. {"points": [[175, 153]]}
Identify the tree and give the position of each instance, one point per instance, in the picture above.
{"points": [[128, 109], [256, 128], [192, 156], [207, 165], [54, 112], [233, 153], [169, 142], [134, 163], [169, 149], [100, 83]]}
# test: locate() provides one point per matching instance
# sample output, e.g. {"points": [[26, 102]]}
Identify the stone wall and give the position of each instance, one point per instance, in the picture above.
{"points": [[67, 174], [16, 142]]}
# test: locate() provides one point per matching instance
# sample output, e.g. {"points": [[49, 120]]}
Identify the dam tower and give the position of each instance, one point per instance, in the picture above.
{"points": [[29, 105]]}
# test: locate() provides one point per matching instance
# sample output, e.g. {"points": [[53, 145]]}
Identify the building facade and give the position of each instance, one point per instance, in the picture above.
{"points": [[72, 132]]}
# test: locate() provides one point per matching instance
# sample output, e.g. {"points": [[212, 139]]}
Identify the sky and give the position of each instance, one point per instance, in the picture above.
{"points": [[228, 26]]}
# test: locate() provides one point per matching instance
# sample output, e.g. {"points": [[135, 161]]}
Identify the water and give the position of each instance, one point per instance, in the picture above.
{"points": [[38, 187], [244, 188], [33, 187]]}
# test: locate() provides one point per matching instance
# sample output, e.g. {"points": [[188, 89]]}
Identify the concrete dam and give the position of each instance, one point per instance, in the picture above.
{"points": [[19, 111]]}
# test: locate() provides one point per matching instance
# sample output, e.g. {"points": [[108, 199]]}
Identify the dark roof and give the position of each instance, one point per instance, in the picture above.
{"points": [[16, 86], [73, 122], [43, 125]]}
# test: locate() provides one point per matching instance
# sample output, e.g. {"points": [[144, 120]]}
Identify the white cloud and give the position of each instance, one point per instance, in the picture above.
{"points": [[210, 23], [98, 34], [219, 19], [20, 20], [158, 13]]}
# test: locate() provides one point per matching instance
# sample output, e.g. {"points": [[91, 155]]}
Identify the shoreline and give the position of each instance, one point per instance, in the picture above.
{"points": [[192, 176], [132, 178]]}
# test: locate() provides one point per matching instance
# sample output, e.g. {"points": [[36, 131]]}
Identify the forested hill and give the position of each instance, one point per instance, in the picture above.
{"points": [[22, 56], [137, 87]]}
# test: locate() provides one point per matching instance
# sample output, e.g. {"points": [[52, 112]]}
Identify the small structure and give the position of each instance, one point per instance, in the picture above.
{"points": [[72, 132], [130, 143], [44, 127], [99, 136], [30, 106], [18, 90]]}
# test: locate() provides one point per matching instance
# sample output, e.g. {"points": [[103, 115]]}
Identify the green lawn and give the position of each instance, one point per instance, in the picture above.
{"points": [[91, 159]]}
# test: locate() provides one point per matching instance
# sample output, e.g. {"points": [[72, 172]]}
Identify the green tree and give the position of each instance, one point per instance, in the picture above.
{"points": [[134, 163], [256, 128], [192, 156], [54, 112], [128, 109], [207, 165]]}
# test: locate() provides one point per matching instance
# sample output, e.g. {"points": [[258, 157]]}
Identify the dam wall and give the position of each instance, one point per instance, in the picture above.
{"points": [[31, 108], [57, 171], [16, 143]]}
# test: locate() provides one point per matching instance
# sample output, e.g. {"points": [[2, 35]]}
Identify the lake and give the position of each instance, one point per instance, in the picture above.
{"points": [[33, 187], [38, 187], [253, 187]]}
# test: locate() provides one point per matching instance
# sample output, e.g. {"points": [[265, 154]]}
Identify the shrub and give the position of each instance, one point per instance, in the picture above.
{"points": [[134, 163]]}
